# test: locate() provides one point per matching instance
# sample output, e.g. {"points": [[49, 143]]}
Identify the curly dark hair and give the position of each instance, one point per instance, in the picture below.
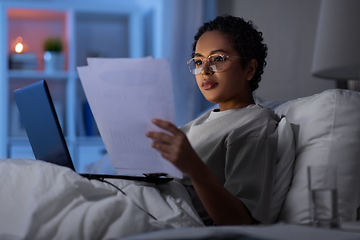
{"points": [[244, 37]]}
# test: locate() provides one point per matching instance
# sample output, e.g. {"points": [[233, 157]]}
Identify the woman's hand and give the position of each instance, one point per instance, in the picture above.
{"points": [[175, 148], [221, 205]]}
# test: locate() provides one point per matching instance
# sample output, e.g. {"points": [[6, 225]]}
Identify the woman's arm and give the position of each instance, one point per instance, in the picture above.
{"points": [[221, 205]]}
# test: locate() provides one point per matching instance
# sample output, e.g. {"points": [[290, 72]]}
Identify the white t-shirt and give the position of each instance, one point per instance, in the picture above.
{"points": [[240, 147]]}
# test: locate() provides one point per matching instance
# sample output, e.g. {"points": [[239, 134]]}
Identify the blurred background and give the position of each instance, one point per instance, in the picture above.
{"points": [[73, 30]]}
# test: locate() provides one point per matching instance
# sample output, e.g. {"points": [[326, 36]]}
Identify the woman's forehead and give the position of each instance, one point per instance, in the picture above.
{"points": [[213, 42]]}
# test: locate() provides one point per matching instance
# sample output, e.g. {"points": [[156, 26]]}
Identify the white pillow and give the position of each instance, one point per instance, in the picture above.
{"points": [[327, 131], [284, 167]]}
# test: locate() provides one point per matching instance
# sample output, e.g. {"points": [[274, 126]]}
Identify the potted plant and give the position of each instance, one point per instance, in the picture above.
{"points": [[53, 56]]}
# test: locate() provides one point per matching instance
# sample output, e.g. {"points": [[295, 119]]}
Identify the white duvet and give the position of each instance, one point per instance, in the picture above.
{"points": [[45, 201]]}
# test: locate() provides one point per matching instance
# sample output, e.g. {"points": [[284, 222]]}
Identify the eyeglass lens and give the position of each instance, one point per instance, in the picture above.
{"points": [[215, 63]]}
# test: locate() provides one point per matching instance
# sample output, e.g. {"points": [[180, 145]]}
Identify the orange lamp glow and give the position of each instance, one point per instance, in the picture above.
{"points": [[19, 47]]}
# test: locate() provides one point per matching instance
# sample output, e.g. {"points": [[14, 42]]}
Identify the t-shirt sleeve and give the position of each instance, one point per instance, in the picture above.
{"points": [[250, 173]]}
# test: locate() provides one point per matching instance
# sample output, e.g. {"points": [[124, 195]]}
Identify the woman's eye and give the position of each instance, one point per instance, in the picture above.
{"points": [[217, 59], [198, 62]]}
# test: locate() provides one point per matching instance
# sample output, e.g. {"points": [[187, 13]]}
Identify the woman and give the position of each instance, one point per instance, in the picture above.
{"points": [[228, 155]]}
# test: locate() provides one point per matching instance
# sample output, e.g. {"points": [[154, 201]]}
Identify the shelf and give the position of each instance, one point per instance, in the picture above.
{"points": [[31, 74], [80, 140], [119, 30], [35, 26], [18, 140], [31, 14]]}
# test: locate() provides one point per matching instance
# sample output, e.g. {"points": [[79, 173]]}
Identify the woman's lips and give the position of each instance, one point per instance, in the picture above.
{"points": [[206, 85]]}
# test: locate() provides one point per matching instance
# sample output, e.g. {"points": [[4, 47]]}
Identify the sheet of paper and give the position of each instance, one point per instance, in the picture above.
{"points": [[124, 95]]}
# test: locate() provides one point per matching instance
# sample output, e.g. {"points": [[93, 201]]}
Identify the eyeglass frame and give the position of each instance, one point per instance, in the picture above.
{"points": [[208, 59]]}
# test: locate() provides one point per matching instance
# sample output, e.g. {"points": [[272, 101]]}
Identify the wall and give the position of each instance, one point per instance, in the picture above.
{"points": [[289, 29], [167, 33]]}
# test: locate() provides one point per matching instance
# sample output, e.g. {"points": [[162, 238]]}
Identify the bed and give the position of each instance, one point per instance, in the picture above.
{"points": [[44, 201]]}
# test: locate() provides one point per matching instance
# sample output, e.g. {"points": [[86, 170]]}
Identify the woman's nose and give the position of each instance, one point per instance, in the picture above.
{"points": [[206, 68]]}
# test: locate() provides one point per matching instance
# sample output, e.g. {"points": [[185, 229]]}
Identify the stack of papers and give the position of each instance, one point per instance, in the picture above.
{"points": [[124, 95]]}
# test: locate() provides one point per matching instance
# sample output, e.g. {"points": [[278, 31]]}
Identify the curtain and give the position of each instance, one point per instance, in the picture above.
{"points": [[181, 20]]}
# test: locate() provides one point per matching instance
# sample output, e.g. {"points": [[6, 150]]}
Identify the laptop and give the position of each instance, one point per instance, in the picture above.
{"points": [[44, 132]]}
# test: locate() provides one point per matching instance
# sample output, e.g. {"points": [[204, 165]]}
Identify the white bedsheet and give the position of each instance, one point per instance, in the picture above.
{"points": [[44, 201], [278, 231]]}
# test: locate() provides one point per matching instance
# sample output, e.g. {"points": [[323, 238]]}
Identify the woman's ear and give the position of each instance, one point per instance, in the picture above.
{"points": [[251, 69]]}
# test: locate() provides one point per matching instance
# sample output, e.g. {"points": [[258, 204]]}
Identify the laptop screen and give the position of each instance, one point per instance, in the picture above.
{"points": [[41, 123]]}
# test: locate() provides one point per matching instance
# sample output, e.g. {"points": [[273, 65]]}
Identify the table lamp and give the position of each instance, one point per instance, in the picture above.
{"points": [[337, 44]]}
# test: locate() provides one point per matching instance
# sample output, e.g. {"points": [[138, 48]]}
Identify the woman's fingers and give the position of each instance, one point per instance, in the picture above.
{"points": [[159, 137], [162, 136], [163, 147], [166, 125], [172, 145]]}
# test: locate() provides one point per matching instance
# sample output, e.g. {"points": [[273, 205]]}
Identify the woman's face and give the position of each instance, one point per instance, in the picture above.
{"points": [[229, 88]]}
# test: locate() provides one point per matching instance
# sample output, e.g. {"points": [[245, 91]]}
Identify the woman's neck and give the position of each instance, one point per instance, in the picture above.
{"points": [[236, 105]]}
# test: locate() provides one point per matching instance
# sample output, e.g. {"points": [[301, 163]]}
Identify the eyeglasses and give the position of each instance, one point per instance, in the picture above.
{"points": [[216, 63]]}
